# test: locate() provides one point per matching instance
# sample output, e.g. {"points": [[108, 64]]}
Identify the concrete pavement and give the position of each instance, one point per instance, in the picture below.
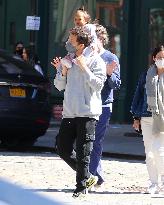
{"points": [[49, 176], [122, 139]]}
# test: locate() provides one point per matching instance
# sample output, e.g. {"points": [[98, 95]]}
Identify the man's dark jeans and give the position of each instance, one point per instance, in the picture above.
{"points": [[81, 129]]}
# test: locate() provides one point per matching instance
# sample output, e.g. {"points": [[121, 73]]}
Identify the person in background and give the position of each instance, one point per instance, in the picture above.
{"points": [[143, 124], [18, 49], [112, 82], [143, 108], [155, 100], [32, 59], [82, 107]]}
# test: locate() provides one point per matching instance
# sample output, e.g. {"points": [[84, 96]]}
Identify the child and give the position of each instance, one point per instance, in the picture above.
{"points": [[81, 19]]}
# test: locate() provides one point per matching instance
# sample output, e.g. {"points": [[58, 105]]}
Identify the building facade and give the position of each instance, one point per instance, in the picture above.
{"points": [[135, 27]]}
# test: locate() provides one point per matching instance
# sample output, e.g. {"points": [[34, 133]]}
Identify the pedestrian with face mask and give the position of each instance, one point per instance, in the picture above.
{"points": [[18, 50], [82, 107], [146, 109], [155, 100]]}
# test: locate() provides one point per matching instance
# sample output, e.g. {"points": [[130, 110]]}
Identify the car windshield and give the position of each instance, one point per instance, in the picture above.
{"points": [[15, 65]]}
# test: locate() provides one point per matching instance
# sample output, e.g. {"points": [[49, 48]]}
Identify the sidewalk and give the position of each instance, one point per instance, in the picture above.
{"points": [[49, 176], [120, 139]]}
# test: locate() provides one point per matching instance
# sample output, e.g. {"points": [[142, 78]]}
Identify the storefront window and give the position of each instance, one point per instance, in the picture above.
{"points": [[110, 16]]}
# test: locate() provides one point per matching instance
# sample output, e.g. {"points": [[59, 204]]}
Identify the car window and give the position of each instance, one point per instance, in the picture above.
{"points": [[13, 65]]}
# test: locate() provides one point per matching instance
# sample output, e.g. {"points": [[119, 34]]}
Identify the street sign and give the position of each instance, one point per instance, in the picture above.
{"points": [[32, 23]]}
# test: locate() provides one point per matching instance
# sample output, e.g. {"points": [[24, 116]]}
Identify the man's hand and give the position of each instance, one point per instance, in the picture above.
{"points": [[56, 62], [136, 125], [81, 61], [110, 68]]}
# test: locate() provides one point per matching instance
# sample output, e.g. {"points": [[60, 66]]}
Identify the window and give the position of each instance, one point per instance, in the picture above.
{"points": [[156, 27], [110, 16]]}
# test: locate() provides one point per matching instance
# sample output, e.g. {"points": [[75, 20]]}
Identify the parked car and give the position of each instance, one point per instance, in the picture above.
{"points": [[24, 102]]}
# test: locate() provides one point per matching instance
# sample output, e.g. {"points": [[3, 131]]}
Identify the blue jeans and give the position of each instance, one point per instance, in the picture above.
{"points": [[95, 159]]}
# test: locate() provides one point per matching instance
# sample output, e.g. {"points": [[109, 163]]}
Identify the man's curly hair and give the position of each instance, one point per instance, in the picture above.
{"points": [[83, 37], [102, 34]]}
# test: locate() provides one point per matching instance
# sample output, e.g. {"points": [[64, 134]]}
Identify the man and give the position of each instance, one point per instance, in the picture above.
{"points": [[112, 82], [82, 107]]}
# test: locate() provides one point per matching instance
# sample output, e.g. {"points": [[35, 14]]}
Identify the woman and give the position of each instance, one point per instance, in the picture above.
{"points": [[143, 120], [155, 100], [142, 116], [32, 59]]}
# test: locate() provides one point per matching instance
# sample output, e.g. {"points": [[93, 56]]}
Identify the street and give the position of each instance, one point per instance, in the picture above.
{"points": [[43, 172], [48, 175]]}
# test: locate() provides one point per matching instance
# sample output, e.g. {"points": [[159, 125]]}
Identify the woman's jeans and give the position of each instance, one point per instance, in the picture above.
{"points": [[81, 129], [154, 149], [95, 166]]}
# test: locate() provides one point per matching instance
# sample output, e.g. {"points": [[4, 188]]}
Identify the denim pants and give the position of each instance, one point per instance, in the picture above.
{"points": [[81, 130], [95, 160]]}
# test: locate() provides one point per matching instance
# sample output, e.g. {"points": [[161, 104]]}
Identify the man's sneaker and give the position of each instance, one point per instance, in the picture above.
{"points": [[79, 193], [91, 182], [153, 189]]}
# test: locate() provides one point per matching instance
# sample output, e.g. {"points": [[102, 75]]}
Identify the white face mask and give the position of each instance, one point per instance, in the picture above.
{"points": [[159, 63]]}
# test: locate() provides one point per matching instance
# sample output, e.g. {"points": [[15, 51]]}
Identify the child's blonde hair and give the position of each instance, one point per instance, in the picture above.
{"points": [[85, 13]]}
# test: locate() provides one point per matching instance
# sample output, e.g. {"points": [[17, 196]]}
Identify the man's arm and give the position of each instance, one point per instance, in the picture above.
{"points": [[60, 79], [113, 73], [138, 95], [114, 80]]}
